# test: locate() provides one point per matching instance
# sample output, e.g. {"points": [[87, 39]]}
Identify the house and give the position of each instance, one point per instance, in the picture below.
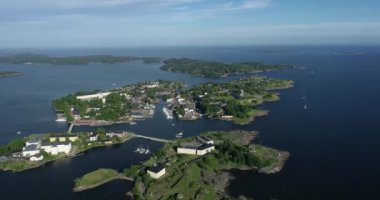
{"points": [[156, 172], [205, 140], [31, 150], [204, 149], [57, 147], [93, 137], [63, 138]]}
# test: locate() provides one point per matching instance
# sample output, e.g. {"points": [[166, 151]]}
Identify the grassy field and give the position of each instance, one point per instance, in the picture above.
{"points": [[95, 178]]}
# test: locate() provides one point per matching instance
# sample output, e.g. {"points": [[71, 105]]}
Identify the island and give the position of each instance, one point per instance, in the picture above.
{"points": [[122, 105], [234, 101], [8, 74], [39, 149], [196, 167], [217, 69], [73, 60]]}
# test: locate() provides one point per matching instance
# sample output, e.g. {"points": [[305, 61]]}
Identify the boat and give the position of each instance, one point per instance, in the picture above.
{"points": [[138, 150], [132, 123], [173, 124], [179, 135], [305, 107], [61, 120], [18, 132], [147, 151]]}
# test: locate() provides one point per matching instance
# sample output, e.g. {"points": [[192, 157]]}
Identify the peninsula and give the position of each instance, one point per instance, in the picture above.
{"points": [[183, 65], [38, 149], [196, 167], [217, 69], [123, 105], [8, 74], [72, 60], [234, 101]]}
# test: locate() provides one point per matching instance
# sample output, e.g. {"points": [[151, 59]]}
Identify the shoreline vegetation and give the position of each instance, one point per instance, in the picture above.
{"points": [[183, 65], [196, 176], [217, 69], [4, 74], [11, 158], [73, 60], [234, 101]]}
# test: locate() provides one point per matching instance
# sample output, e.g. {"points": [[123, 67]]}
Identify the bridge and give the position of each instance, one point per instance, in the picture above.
{"points": [[70, 128], [150, 138]]}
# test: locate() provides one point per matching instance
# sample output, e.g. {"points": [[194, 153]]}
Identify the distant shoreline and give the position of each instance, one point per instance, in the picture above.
{"points": [[9, 74]]}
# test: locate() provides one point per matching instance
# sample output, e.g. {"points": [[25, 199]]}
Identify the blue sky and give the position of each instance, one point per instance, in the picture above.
{"points": [[127, 23]]}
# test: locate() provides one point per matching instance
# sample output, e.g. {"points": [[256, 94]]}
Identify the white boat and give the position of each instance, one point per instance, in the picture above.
{"points": [[147, 151], [305, 107], [179, 135], [138, 150], [61, 120], [132, 123], [18, 133], [168, 114]]}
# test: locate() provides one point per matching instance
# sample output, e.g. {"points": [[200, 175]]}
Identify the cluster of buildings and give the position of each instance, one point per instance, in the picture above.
{"points": [[189, 108], [54, 146]]}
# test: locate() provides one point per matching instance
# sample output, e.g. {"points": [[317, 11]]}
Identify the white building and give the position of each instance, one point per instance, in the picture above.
{"points": [[204, 149], [156, 172], [57, 147], [93, 137], [35, 141], [101, 96], [196, 148], [187, 150], [30, 150], [205, 140]]}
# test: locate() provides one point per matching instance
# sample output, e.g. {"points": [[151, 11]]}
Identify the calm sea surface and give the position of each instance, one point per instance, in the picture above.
{"points": [[334, 143]]}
